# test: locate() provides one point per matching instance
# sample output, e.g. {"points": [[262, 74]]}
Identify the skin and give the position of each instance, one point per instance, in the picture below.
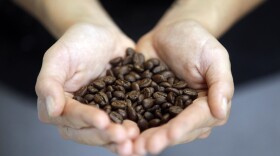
{"points": [[88, 39]]}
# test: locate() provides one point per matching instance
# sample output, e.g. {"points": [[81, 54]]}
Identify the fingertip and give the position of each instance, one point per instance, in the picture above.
{"points": [[117, 133], [157, 142], [125, 149], [102, 120], [132, 129]]}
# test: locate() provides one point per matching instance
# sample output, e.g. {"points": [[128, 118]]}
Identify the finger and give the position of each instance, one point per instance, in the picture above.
{"points": [[205, 134], [77, 115], [220, 83], [125, 148], [131, 128], [87, 136], [144, 45], [117, 133]]}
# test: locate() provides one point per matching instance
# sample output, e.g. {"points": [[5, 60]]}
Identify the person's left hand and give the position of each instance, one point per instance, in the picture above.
{"points": [[198, 58]]}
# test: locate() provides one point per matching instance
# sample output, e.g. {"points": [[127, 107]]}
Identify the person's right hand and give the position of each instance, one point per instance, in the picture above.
{"points": [[79, 56]]}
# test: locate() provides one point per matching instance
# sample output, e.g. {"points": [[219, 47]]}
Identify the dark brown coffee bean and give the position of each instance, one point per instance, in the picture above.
{"points": [[161, 89], [81, 92], [158, 113], [129, 103], [155, 107], [92, 90], [114, 99], [165, 84], [122, 113], [159, 95], [146, 74], [166, 105], [180, 85], [171, 80], [129, 52], [127, 60], [171, 97], [148, 103], [144, 82], [109, 95], [148, 65], [116, 61], [154, 84], [99, 84], [138, 68], [179, 102], [159, 69], [132, 115], [184, 97], [134, 104], [99, 100], [104, 96], [123, 83], [159, 78], [167, 74], [116, 117], [92, 103], [175, 110], [136, 76], [109, 89], [133, 95], [119, 104], [174, 90], [139, 108], [138, 59], [155, 61], [122, 70], [107, 109], [109, 79], [148, 92], [141, 97], [166, 117], [191, 92], [143, 124], [119, 88], [159, 101], [154, 122], [187, 103], [119, 94], [149, 116], [89, 97], [109, 72], [80, 99], [135, 86], [129, 78]]}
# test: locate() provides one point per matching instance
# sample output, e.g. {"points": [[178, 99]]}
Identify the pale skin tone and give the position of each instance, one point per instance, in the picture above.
{"points": [[88, 39]]}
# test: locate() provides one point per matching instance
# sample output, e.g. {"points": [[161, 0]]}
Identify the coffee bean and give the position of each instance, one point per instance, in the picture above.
{"points": [[159, 95], [99, 100], [144, 82], [109, 89], [155, 61], [138, 59], [171, 80], [180, 85], [81, 92], [158, 113], [104, 96], [179, 102], [109, 79], [159, 78], [174, 90], [154, 122], [119, 104], [109, 72], [155, 107], [119, 88], [109, 95], [187, 103], [127, 60], [191, 92], [119, 94], [148, 91], [149, 116], [89, 97], [92, 90], [141, 97], [133, 95], [129, 52], [148, 103], [148, 65], [159, 69], [171, 97], [107, 109], [146, 74], [122, 112], [167, 74], [123, 83], [132, 115], [80, 99], [135, 86], [143, 124], [159, 101], [139, 108], [116, 61], [175, 110], [92, 103], [138, 68], [99, 84], [129, 78], [166, 105], [165, 84], [184, 97], [116, 117], [166, 117], [136, 76]]}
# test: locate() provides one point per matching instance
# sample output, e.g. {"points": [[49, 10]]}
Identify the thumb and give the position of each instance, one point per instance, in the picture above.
{"points": [[49, 86], [220, 83], [145, 46]]}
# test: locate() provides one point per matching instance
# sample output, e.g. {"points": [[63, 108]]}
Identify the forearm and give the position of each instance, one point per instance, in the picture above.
{"points": [[216, 16], [58, 15]]}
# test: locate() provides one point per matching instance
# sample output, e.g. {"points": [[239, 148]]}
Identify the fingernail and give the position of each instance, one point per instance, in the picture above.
{"points": [[50, 105], [224, 106]]}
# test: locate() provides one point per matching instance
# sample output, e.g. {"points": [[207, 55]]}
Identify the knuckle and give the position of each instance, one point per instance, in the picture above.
{"points": [[222, 122]]}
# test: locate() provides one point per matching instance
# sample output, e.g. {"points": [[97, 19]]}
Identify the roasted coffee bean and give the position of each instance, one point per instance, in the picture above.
{"points": [[175, 110], [116, 61], [159, 78], [187, 103], [148, 92], [144, 82], [104, 96], [148, 65], [122, 112], [133, 95], [107, 109], [129, 52], [184, 97], [109, 72], [143, 124], [119, 88], [119, 94], [154, 84], [179, 102], [159, 101], [92, 90], [174, 90], [167, 74], [116, 117], [132, 115], [99, 100], [180, 85], [109, 89], [89, 97], [80, 99], [149, 116], [81, 92], [135, 86], [155, 61], [139, 108], [165, 118], [114, 99], [148, 103], [123, 83], [160, 89], [155, 107], [92, 103], [158, 113], [122, 70], [109, 79], [127, 60], [171, 80], [166, 105], [141, 97], [129, 103], [138, 68], [165, 84], [119, 104], [191, 92], [146, 74], [129, 78], [154, 122], [159, 95], [109, 95], [138, 59], [99, 84], [159, 69], [136, 76], [171, 97]]}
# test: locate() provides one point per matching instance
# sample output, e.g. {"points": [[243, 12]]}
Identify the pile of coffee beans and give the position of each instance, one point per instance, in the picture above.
{"points": [[146, 92]]}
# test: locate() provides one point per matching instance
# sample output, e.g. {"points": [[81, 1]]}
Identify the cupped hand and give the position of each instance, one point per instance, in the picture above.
{"points": [[79, 56], [198, 58]]}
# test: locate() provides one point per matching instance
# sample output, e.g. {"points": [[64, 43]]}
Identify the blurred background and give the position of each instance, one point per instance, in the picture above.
{"points": [[253, 44]]}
